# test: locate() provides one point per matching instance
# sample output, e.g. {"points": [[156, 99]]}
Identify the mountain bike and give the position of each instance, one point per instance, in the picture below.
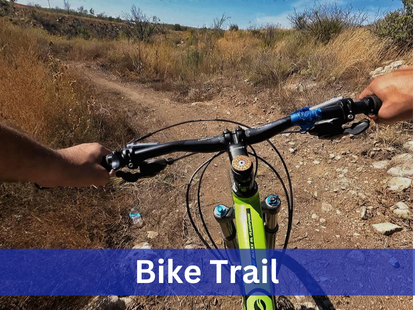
{"points": [[250, 223]]}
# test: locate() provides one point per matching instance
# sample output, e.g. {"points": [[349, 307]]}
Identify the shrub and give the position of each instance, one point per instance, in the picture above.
{"points": [[142, 26], [324, 21], [177, 27], [271, 33], [233, 27], [397, 26]]}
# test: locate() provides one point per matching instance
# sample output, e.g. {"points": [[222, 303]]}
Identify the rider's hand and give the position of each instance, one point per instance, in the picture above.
{"points": [[80, 167], [395, 90]]}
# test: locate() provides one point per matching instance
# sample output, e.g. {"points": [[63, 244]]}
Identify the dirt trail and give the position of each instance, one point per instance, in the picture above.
{"points": [[159, 103], [333, 182]]}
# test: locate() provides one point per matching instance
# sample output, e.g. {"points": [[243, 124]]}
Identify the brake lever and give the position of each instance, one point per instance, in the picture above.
{"points": [[148, 169], [333, 129]]}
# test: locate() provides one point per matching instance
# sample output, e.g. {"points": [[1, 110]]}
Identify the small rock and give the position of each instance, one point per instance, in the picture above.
{"points": [[316, 162], [107, 303], [409, 146], [356, 256], [394, 262], [322, 220], [314, 216], [400, 171], [326, 207], [396, 64], [128, 301], [399, 184], [402, 210], [338, 157], [402, 159], [389, 68], [383, 164], [387, 228], [364, 214], [143, 245], [152, 234], [332, 156], [292, 150]]}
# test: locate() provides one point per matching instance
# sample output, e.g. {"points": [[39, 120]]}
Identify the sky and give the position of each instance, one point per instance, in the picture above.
{"points": [[199, 13]]}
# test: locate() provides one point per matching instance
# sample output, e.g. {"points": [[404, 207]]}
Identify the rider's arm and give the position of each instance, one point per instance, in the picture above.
{"points": [[23, 159], [395, 90]]}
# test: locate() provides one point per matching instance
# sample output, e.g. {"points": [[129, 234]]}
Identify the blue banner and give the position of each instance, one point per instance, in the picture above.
{"points": [[206, 272]]}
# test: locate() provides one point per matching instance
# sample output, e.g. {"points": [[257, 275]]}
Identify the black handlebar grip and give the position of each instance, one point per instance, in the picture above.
{"points": [[374, 104], [105, 164]]}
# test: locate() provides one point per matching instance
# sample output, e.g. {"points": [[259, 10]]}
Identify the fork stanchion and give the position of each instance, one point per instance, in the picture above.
{"points": [[224, 216], [270, 208]]}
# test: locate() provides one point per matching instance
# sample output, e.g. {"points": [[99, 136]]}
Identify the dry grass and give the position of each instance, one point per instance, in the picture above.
{"points": [[268, 57], [41, 96]]}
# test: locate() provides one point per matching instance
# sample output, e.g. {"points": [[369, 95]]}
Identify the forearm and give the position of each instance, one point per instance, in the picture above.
{"points": [[22, 159]]}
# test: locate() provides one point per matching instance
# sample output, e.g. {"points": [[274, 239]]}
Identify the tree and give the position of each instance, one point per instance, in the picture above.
{"points": [[81, 10], [91, 11], [67, 6], [142, 26], [218, 23]]}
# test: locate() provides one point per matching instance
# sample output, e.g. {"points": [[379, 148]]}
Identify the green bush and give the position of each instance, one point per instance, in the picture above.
{"points": [[177, 27], [233, 27], [325, 21], [397, 26]]}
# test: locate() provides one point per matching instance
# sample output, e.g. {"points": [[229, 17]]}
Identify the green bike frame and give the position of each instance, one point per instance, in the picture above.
{"points": [[251, 235]]}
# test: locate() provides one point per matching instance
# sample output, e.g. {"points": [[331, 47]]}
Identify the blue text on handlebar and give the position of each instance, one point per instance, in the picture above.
{"points": [[305, 118]]}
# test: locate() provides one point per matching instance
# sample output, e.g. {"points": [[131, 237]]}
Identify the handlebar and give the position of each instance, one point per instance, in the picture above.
{"points": [[342, 111]]}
